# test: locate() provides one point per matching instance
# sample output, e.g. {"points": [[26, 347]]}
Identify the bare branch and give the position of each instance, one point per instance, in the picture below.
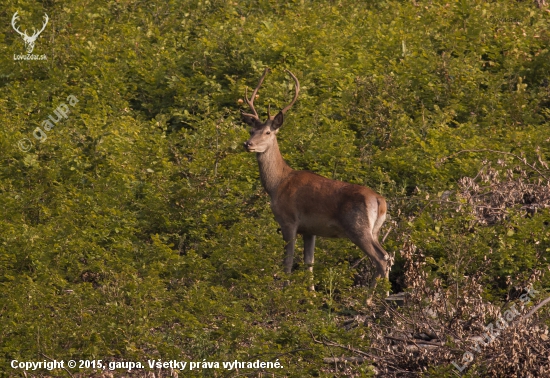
{"points": [[522, 159]]}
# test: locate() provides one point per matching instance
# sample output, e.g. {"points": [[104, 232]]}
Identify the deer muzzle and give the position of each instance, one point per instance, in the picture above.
{"points": [[248, 146]]}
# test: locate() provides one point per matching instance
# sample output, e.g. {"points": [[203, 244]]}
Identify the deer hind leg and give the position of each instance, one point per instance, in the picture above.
{"points": [[360, 230], [380, 218], [309, 248], [376, 254], [385, 257]]}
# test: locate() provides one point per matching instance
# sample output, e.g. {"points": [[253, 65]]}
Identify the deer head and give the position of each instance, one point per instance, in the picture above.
{"points": [[262, 134], [29, 40]]}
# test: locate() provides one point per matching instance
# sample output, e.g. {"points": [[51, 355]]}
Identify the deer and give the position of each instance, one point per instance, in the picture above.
{"points": [[311, 205], [29, 40]]}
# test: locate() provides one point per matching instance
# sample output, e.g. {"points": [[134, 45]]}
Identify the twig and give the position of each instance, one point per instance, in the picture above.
{"points": [[372, 356], [522, 159], [330, 343], [414, 341], [534, 309], [330, 360], [51, 359], [358, 262], [387, 233]]}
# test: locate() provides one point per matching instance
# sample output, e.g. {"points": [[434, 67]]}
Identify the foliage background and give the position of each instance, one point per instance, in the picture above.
{"points": [[139, 229]]}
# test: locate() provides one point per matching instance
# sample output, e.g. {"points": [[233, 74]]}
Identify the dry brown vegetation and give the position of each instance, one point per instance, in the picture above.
{"points": [[438, 321]]}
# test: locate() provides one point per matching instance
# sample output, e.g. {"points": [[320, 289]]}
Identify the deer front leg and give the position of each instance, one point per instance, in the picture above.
{"points": [[309, 248], [289, 236]]}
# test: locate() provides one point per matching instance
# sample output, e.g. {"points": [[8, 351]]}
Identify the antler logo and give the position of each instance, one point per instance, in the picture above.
{"points": [[29, 39]]}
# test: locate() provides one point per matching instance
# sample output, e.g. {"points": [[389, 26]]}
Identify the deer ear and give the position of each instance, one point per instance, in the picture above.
{"points": [[277, 121], [251, 120]]}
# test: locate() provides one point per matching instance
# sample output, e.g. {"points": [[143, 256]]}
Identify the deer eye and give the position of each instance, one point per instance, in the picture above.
{"points": [[268, 132]]}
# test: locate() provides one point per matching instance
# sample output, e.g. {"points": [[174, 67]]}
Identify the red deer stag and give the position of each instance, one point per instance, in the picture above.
{"points": [[311, 205]]}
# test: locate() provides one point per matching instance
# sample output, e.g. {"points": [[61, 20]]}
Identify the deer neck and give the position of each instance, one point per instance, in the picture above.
{"points": [[273, 169]]}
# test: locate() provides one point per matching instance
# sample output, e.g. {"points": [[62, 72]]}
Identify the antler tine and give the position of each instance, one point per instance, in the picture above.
{"points": [[46, 19], [13, 20], [251, 101], [296, 91], [36, 33]]}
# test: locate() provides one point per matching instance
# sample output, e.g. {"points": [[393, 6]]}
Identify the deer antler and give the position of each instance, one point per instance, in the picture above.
{"points": [[24, 34], [29, 39], [251, 101], [13, 20], [297, 90], [46, 18]]}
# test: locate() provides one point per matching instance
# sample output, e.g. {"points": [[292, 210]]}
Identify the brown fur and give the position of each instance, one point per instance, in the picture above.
{"points": [[311, 205]]}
